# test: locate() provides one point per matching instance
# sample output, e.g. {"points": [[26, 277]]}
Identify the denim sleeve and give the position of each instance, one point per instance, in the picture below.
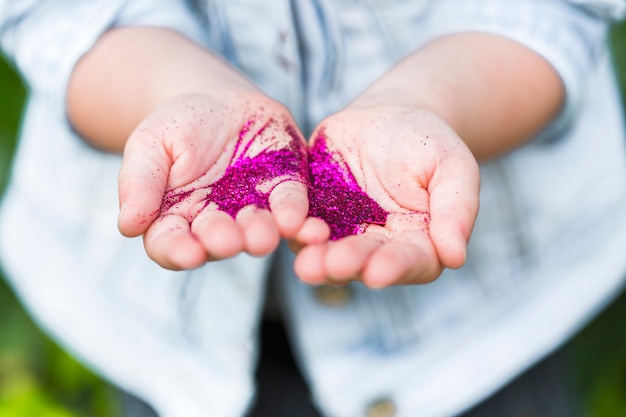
{"points": [[609, 9], [570, 35], [45, 38]]}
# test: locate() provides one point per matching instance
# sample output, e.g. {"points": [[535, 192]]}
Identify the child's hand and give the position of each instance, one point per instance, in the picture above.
{"points": [[205, 178], [418, 197]]}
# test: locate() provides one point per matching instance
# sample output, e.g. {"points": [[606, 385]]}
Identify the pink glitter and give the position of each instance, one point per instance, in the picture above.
{"points": [[172, 198], [334, 194], [239, 186], [336, 197]]}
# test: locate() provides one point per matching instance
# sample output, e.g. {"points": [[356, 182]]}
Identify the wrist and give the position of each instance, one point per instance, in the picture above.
{"points": [[132, 70], [495, 93]]}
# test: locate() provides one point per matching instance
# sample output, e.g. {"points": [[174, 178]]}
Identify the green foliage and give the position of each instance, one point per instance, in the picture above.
{"points": [[12, 95], [37, 377], [618, 44], [599, 355]]}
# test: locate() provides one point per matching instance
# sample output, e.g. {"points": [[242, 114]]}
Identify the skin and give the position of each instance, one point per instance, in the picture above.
{"points": [[133, 111], [493, 93], [461, 99]]}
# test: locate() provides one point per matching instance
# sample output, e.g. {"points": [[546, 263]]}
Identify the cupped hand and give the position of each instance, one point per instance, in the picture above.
{"points": [[399, 190], [205, 178]]}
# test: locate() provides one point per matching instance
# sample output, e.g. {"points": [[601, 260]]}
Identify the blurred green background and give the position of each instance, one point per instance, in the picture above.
{"points": [[39, 379]]}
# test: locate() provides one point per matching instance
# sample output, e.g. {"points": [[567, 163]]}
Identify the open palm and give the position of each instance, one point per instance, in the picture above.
{"points": [[205, 178], [399, 190]]}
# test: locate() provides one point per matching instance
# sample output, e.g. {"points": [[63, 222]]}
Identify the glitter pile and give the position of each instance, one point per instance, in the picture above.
{"points": [[240, 185], [334, 194], [336, 197]]}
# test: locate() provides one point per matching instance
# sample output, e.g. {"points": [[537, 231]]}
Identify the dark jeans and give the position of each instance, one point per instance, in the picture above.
{"points": [[543, 391]]}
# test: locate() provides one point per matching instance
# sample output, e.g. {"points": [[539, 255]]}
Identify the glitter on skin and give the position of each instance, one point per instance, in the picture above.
{"points": [[336, 197], [241, 184]]}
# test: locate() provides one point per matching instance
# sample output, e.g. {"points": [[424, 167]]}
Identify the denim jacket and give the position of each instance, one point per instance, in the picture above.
{"points": [[546, 254]]}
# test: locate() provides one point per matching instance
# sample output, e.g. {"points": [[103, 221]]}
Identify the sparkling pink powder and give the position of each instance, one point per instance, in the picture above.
{"points": [[241, 184], [334, 194], [336, 197]]}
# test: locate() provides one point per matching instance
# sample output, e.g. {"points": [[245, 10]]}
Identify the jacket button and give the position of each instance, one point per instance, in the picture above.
{"points": [[333, 296], [381, 408]]}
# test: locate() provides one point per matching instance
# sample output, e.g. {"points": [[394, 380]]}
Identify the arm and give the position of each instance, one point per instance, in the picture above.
{"points": [[132, 70], [415, 135], [494, 92], [123, 83], [180, 115]]}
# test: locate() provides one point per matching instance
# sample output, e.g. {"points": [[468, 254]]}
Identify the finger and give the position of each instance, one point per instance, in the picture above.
{"points": [[313, 231], [141, 184], [346, 257], [169, 243], [260, 233], [309, 264], [408, 259], [289, 204], [218, 234], [453, 208]]}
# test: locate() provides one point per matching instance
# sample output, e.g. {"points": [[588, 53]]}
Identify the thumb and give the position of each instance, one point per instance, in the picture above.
{"points": [[141, 183], [454, 202]]}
